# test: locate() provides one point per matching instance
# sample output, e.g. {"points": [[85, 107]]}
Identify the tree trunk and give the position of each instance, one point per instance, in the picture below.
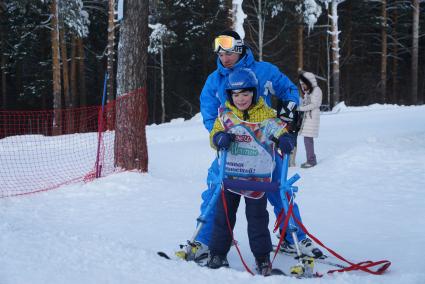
{"points": [[65, 71], [111, 51], [300, 46], [383, 82], [111, 65], [161, 54], [238, 17], [130, 134], [415, 50], [73, 103], [230, 20], [4, 81], [346, 93], [3, 65], [335, 53], [56, 130], [328, 64], [67, 123], [260, 30], [73, 73], [395, 98], [82, 83], [154, 91]]}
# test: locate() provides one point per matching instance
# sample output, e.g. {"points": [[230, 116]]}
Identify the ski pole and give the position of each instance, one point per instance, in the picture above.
{"points": [[304, 266], [285, 187]]}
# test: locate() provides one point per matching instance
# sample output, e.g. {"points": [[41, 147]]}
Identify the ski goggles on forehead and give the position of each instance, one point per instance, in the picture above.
{"points": [[228, 43]]}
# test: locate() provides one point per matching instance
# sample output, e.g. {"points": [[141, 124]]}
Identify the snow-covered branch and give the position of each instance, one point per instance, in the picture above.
{"points": [[311, 12], [159, 36]]}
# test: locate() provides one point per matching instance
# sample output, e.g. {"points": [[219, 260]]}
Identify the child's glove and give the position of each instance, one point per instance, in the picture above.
{"points": [[222, 140], [287, 143]]}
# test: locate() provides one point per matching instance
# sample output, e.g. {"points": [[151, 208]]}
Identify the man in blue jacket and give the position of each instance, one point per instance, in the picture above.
{"points": [[233, 54]]}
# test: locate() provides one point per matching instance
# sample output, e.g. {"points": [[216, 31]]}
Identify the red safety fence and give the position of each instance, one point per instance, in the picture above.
{"points": [[42, 150]]}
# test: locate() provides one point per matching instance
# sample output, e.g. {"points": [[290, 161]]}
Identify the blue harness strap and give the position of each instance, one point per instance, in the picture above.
{"points": [[250, 185]]}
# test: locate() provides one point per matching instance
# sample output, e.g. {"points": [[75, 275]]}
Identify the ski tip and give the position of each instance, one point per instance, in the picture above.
{"points": [[277, 271], [163, 254]]}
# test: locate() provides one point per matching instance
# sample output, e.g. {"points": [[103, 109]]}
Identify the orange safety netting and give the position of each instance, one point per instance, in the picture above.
{"points": [[42, 150]]}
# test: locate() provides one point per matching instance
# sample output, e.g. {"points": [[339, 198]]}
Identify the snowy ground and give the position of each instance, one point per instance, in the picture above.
{"points": [[365, 199]]}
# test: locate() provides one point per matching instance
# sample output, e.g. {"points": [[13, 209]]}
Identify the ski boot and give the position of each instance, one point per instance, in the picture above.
{"points": [[307, 248], [195, 251], [217, 261], [264, 266]]}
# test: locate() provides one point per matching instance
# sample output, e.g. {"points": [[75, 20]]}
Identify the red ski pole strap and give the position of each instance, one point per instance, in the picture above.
{"points": [[223, 197], [278, 221], [281, 214], [285, 226], [365, 266]]}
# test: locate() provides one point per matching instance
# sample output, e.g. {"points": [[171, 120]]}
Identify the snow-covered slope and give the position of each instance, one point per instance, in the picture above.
{"points": [[365, 199]]}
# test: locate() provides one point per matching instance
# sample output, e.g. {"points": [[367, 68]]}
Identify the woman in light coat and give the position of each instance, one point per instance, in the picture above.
{"points": [[310, 106]]}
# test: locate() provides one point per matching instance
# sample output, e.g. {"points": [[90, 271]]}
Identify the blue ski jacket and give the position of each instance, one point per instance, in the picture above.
{"points": [[270, 82]]}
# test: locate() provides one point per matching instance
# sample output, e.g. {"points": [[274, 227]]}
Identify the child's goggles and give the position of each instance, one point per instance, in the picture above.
{"points": [[228, 43], [245, 92]]}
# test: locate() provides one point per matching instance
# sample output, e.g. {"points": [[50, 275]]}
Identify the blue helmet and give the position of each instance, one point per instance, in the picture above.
{"points": [[241, 79]]}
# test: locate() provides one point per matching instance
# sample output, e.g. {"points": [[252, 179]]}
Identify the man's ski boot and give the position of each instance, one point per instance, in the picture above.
{"points": [[217, 261], [306, 246], [264, 266], [286, 247], [195, 251]]}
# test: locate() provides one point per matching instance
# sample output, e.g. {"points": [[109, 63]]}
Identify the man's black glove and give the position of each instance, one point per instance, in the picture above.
{"points": [[287, 111]]}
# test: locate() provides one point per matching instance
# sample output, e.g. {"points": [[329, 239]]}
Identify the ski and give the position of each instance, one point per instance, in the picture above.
{"points": [[324, 259], [277, 271], [163, 254], [200, 262], [274, 271]]}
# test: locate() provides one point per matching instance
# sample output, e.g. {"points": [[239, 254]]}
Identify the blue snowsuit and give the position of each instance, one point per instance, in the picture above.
{"points": [[270, 82]]}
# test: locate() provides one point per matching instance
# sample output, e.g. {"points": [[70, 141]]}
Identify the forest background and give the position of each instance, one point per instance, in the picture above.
{"points": [[378, 55]]}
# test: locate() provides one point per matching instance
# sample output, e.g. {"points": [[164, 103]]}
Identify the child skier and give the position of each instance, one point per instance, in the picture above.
{"points": [[244, 127], [312, 99]]}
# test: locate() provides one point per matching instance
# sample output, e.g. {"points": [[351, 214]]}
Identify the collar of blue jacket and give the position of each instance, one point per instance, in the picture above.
{"points": [[246, 61]]}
